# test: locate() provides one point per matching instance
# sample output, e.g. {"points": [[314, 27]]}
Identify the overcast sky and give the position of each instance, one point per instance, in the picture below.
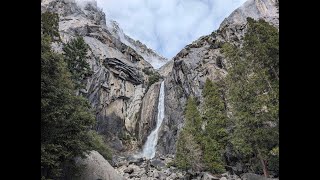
{"points": [[166, 26]]}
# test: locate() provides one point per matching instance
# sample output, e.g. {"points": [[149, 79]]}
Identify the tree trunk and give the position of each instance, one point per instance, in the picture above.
{"points": [[275, 73], [264, 166]]}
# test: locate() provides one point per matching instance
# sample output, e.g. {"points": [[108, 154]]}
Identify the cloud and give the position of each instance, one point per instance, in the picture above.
{"points": [[168, 25]]}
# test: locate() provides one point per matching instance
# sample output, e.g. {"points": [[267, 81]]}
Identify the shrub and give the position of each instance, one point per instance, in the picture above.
{"points": [[98, 143]]}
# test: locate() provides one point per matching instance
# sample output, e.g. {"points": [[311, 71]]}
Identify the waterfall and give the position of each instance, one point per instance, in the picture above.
{"points": [[149, 148]]}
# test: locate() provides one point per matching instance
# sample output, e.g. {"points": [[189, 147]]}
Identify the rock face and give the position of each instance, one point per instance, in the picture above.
{"points": [[201, 60], [118, 85], [148, 54], [96, 167], [166, 69], [255, 9], [148, 113]]}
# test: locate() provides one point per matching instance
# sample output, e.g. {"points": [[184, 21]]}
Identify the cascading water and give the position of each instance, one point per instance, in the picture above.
{"points": [[149, 148]]}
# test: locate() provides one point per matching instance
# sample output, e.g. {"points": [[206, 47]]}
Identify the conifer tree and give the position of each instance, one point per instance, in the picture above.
{"points": [[215, 134], [253, 89], [50, 25], [188, 152], [66, 119], [75, 53]]}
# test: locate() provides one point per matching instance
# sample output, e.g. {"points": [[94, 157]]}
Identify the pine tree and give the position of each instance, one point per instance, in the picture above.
{"points": [[215, 136], [193, 119], [253, 89], [188, 152], [50, 25], [65, 118], [75, 54]]}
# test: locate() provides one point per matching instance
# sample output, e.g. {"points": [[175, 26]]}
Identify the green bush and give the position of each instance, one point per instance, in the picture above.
{"points": [[153, 78], [98, 143], [147, 71]]}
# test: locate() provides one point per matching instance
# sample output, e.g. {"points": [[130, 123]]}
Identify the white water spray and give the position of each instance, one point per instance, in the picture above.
{"points": [[149, 148]]}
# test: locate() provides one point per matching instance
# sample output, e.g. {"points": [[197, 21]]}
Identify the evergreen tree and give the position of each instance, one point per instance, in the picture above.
{"points": [[215, 136], [253, 88], [65, 118], [75, 53], [188, 152], [193, 119], [50, 25]]}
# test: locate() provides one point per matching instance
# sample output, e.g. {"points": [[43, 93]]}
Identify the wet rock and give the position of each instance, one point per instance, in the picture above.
{"points": [[148, 115], [134, 160]]}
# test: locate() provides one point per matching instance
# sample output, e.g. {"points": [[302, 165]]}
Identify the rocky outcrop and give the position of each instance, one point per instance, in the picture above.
{"points": [[166, 69], [123, 71], [94, 166], [255, 9], [148, 54]]}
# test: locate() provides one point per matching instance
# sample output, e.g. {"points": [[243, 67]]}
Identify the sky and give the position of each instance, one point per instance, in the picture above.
{"points": [[167, 26]]}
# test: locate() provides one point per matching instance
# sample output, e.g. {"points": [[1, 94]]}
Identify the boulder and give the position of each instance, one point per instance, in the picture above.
{"points": [[157, 163], [251, 176], [162, 176], [156, 174], [208, 176], [150, 174], [144, 177], [96, 167], [134, 160], [173, 176], [167, 172], [128, 170], [126, 175]]}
